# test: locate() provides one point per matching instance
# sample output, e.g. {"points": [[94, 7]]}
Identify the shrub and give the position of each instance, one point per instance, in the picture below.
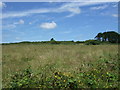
{"points": [[79, 42], [92, 42], [23, 79], [94, 78], [100, 75], [54, 42]]}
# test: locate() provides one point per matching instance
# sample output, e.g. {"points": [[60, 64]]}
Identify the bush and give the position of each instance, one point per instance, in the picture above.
{"points": [[54, 42], [92, 42], [23, 79], [79, 42], [97, 77], [91, 79]]}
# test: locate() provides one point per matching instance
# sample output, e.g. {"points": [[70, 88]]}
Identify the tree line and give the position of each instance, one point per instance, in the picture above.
{"points": [[101, 38], [111, 36]]}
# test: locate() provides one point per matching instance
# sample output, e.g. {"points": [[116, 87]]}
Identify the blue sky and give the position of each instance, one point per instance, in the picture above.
{"points": [[41, 21]]}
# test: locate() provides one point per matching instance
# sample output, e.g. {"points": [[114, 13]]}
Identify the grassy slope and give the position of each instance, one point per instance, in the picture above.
{"points": [[51, 58]]}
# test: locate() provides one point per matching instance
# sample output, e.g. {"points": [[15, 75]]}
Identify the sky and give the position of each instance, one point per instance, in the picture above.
{"points": [[63, 21]]}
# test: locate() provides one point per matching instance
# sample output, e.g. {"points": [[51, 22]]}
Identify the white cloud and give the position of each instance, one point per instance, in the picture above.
{"points": [[13, 25], [74, 11], [20, 22], [2, 5], [110, 30], [115, 15], [48, 25], [70, 15], [99, 7], [73, 8]]}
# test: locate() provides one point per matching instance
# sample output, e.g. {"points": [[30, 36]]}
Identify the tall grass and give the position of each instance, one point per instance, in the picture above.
{"points": [[48, 59]]}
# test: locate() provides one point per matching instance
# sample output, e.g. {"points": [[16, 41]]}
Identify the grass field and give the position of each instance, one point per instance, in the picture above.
{"points": [[60, 66]]}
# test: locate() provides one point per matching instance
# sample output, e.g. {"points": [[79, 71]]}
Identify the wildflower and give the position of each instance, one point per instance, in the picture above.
{"points": [[106, 86], [107, 72], [55, 76], [59, 77], [65, 74], [64, 81]]}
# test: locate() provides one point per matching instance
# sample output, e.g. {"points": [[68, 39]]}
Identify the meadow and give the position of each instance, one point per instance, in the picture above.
{"points": [[60, 66]]}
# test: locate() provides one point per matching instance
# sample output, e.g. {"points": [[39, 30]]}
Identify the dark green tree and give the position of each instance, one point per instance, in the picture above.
{"points": [[52, 39], [110, 36], [99, 36]]}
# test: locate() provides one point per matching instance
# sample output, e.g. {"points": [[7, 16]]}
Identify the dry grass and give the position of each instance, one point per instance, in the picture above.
{"points": [[65, 58]]}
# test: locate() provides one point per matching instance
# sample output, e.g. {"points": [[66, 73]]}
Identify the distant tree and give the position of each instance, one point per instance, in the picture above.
{"points": [[113, 37], [72, 41], [110, 36], [99, 36], [52, 39]]}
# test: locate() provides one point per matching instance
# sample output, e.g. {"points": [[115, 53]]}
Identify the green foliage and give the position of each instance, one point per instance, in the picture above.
{"points": [[92, 42], [52, 39], [91, 79], [97, 77], [54, 42], [105, 37], [60, 80], [111, 36], [25, 42], [23, 79], [66, 66], [78, 42]]}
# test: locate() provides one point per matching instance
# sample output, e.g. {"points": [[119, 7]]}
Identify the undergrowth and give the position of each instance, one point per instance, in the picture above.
{"points": [[100, 76]]}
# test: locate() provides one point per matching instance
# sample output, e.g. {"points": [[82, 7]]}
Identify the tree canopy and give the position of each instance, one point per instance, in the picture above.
{"points": [[110, 36], [52, 39]]}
